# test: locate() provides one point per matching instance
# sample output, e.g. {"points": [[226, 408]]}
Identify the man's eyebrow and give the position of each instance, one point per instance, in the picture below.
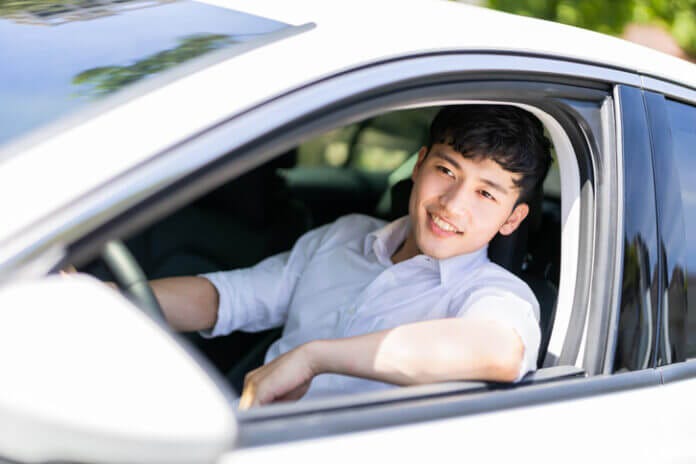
{"points": [[447, 158], [494, 185]]}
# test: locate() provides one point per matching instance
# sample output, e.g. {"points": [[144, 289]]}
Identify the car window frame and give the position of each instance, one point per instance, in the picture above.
{"points": [[260, 151], [461, 391]]}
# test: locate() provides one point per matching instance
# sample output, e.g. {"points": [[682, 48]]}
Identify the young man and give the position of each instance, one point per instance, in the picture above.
{"points": [[365, 304]]}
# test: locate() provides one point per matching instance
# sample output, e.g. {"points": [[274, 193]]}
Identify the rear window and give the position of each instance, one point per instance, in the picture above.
{"points": [[60, 56], [683, 123]]}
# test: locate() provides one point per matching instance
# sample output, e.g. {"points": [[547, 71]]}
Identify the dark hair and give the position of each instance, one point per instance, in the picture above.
{"points": [[508, 135]]}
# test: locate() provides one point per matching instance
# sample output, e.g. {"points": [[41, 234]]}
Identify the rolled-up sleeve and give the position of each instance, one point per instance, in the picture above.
{"points": [[257, 298], [512, 306]]}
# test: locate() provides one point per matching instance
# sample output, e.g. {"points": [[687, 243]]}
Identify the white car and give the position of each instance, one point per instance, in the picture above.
{"points": [[209, 135]]}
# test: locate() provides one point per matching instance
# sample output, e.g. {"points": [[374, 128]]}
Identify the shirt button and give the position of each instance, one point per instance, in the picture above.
{"points": [[351, 311]]}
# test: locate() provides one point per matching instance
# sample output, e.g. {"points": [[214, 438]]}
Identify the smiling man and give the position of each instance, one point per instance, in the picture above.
{"points": [[367, 304]]}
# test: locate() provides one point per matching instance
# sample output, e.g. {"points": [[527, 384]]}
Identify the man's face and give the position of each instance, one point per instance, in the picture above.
{"points": [[457, 205]]}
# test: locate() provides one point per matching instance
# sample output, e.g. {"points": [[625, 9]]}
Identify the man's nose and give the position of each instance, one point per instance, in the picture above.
{"points": [[455, 200]]}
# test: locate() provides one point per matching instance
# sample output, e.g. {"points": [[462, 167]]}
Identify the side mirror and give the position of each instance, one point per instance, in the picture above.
{"points": [[87, 377]]}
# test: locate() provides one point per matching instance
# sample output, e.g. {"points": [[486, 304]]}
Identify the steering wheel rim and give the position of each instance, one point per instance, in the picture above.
{"points": [[131, 279]]}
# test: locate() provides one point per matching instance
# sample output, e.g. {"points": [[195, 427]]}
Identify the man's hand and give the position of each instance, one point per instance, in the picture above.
{"points": [[422, 352], [286, 378]]}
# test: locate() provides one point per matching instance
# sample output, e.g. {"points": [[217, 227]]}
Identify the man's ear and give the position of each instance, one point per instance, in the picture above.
{"points": [[515, 219], [421, 157]]}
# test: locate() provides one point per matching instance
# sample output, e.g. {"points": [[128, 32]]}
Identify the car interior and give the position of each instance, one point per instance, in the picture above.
{"points": [[363, 167]]}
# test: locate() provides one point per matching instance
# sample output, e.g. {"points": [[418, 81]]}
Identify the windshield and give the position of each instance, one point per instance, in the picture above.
{"points": [[58, 56]]}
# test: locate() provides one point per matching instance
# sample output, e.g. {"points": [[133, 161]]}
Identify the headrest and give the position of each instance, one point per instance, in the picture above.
{"points": [[506, 250]]}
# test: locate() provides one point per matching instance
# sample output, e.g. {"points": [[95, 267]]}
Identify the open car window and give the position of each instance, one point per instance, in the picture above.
{"points": [[264, 211]]}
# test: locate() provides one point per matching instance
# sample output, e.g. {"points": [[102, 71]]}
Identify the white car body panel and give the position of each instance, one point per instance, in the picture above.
{"points": [[569, 431]]}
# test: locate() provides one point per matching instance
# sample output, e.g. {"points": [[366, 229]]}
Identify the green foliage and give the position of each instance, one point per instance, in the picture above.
{"points": [[677, 16], [608, 17], [107, 79]]}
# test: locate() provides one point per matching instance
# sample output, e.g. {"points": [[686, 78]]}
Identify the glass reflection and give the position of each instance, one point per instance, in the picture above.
{"points": [[683, 123], [639, 290], [65, 54], [107, 79], [636, 312]]}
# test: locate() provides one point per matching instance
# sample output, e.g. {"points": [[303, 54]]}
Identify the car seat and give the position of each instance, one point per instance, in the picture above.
{"points": [[234, 226]]}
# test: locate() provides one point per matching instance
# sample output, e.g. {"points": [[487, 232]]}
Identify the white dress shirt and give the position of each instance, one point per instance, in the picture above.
{"points": [[339, 281]]}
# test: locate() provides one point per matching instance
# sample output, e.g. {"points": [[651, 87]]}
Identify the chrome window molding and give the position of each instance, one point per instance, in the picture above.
{"points": [[335, 417], [598, 344], [669, 90]]}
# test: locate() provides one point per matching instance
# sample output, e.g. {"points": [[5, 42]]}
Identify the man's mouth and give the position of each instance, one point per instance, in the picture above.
{"points": [[443, 225]]}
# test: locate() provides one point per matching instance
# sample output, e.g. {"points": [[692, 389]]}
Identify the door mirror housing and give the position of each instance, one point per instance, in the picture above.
{"points": [[88, 377]]}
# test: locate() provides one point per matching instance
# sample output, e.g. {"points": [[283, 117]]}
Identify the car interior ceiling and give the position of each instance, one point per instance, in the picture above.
{"points": [[266, 210]]}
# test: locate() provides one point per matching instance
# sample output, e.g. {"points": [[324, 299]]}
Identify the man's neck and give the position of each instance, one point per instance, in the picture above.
{"points": [[407, 250]]}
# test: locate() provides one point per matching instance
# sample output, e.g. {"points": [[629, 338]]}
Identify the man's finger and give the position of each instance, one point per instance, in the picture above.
{"points": [[67, 271], [248, 396]]}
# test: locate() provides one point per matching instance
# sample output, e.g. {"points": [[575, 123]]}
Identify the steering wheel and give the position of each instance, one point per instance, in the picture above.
{"points": [[131, 279]]}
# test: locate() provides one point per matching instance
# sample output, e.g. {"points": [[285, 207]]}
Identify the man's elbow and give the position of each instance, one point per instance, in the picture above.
{"points": [[506, 365]]}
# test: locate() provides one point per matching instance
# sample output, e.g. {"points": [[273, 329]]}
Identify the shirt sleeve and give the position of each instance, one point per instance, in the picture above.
{"points": [[512, 306], [257, 298]]}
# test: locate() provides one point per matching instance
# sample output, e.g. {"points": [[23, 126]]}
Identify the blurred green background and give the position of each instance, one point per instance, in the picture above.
{"points": [[676, 17]]}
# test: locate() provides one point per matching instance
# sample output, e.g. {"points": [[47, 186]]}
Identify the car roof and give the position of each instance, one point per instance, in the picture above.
{"points": [[431, 25], [71, 159]]}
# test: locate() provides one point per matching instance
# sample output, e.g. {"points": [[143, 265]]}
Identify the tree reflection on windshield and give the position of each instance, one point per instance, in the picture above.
{"points": [[104, 80]]}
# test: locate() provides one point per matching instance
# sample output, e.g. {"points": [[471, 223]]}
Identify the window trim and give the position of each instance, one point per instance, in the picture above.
{"points": [[330, 422], [669, 90]]}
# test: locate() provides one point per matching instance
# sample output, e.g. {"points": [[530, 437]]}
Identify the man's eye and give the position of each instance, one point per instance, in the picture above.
{"points": [[444, 170], [487, 195]]}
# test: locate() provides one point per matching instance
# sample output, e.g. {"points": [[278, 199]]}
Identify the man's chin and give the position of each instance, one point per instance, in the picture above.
{"points": [[435, 252], [440, 252]]}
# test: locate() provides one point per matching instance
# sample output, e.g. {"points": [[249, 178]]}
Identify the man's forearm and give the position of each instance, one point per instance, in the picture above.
{"points": [[424, 352], [189, 303]]}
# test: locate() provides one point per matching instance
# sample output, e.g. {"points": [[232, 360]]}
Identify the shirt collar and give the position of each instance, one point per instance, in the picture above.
{"points": [[385, 241]]}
